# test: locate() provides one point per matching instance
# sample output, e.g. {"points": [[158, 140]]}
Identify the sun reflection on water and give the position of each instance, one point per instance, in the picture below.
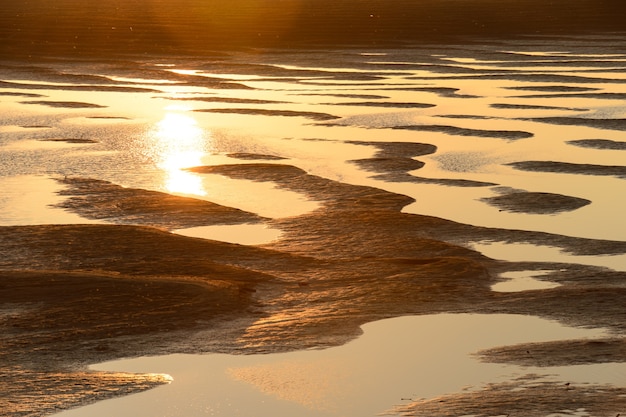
{"points": [[178, 142], [317, 384]]}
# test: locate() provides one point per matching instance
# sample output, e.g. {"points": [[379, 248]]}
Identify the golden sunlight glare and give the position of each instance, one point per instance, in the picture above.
{"points": [[179, 143]]}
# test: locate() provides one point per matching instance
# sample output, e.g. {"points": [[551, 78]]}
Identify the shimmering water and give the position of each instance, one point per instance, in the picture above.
{"points": [[498, 124], [471, 103], [394, 362]]}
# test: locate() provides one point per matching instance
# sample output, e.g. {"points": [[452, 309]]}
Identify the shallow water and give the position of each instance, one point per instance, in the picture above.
{"points": [[523, 281], [352, 116], [28, 199], [518, 252], [149, 140], [395, 361]]}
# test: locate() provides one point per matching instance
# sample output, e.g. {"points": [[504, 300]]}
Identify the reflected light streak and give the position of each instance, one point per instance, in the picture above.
{"points": [[315, 384], [178, 142]]}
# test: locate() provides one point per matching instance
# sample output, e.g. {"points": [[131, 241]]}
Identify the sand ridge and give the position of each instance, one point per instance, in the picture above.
{"points": [[136, 290]]}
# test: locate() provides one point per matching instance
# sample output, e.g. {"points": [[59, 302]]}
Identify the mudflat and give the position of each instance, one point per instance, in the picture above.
{"points": [[78, 294], [369, 114]]}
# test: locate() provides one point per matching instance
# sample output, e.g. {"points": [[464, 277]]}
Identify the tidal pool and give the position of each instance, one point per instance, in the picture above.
{"points": [[521, 252], [395, 361], [341, 120], [523, 281], [29, 199]]}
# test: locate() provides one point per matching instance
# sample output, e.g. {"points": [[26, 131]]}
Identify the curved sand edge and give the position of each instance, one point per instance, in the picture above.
{"points": [[136, 290]]}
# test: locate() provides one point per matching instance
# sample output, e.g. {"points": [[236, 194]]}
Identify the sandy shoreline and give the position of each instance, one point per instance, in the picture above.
{"points": [[126, 285], [81, 294]]}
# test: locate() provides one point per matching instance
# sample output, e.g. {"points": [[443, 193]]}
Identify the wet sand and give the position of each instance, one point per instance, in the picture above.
{"points": [[80, 294], [126, 286]]}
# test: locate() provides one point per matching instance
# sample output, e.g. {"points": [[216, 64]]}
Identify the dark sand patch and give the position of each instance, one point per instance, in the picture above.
{"points": [[449, 182], [387, 104], [415, 270], [606, 63], [266, 112], [83, 310], [254, 156], [598, 96], [368, 225], [599, 144], [213, 83], [569, 304], [446, 68], [279, 73], [143, 72], [528, 396], [102, 200], [355, 259], [394, 161], [73, 87], [264, 69], [591, 277], [355, 96], [542, 77], [66, 104], [329, 192], [59, 390], [348, 77], [465, 116], [399, 149], [440, 91], [24, 70], [460, 131], [570, 168], [388, 165], [128, 251], [133, 303], [608, 124], [139, 71], [230, 100], [558, 353], [393, 157], [336, 195], [13, 94], [532, 107], [553, 88], [536, 203], [69, 140]]}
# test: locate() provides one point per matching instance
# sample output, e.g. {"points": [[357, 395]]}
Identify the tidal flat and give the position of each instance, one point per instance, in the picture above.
{"points": [[293, 227]]}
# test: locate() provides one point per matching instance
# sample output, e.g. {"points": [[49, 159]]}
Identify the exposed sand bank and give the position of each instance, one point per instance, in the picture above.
{"points": [[519, 399], [72, 295], [584, 169], [538, 203], [87, 293]]}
